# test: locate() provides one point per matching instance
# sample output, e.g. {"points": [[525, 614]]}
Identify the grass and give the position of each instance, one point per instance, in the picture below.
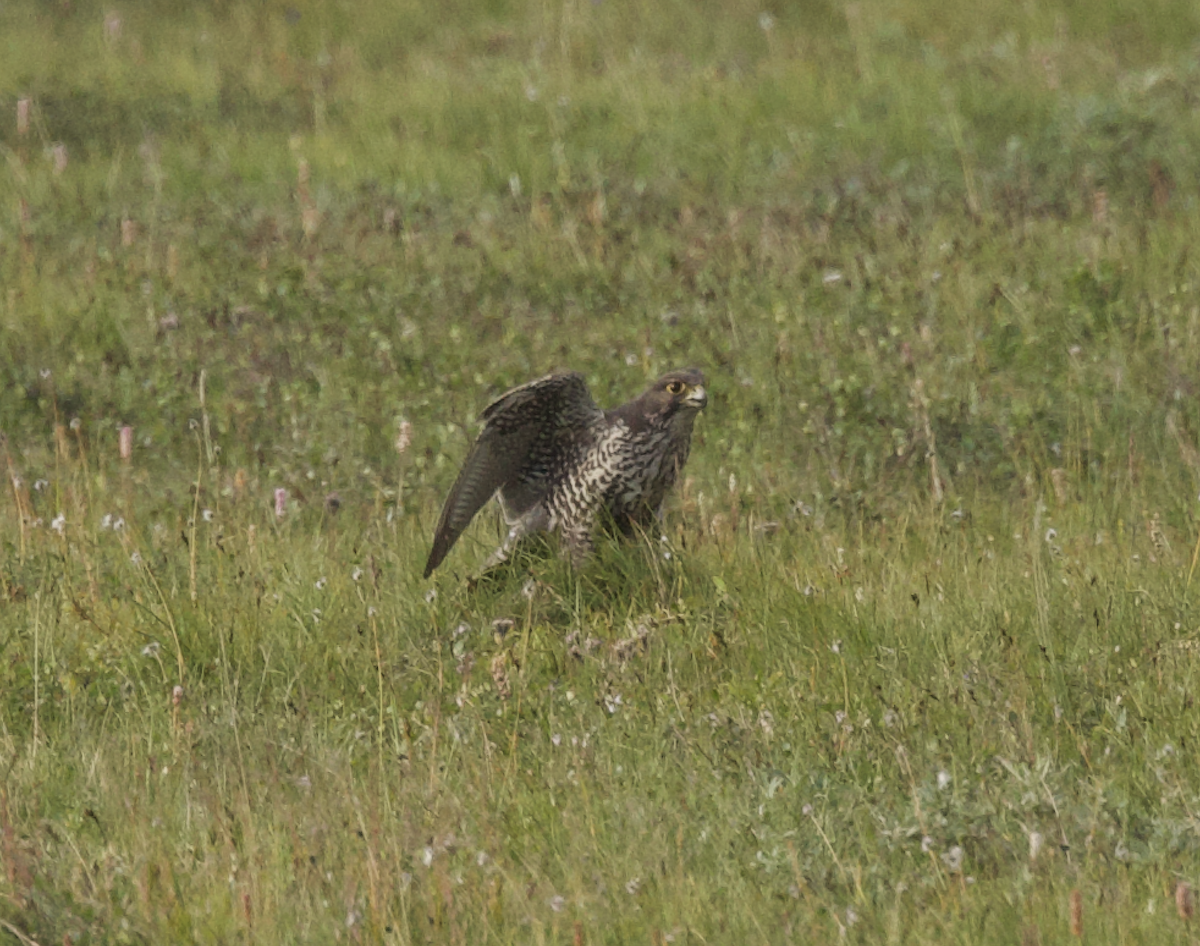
{"points": [[921, 665]]}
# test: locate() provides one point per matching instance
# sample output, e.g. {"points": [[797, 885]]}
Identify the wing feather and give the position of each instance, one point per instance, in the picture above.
{"points": [[516, 425]]}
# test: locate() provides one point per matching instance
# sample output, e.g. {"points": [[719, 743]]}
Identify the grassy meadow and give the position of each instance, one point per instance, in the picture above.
{"points": [[918, 663]]}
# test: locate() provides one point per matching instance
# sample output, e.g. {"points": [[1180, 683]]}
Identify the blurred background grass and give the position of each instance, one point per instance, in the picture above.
{"points": [[818, 191], [923, 662]]}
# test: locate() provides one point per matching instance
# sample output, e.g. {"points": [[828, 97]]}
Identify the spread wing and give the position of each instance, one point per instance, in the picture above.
{"points": [[521, 430]]}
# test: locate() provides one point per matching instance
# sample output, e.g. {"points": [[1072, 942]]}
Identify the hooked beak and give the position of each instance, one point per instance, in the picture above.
{"points": [[697, 398]]}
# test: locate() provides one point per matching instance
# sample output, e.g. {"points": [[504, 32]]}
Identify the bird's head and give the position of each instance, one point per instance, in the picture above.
{"points": [[678, 393]]}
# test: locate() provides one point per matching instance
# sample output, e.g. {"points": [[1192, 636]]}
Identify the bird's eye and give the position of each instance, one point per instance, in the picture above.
{"points": [[675, 387]]}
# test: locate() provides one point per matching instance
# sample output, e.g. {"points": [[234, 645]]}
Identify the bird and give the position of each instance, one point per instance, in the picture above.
{"points": [[562, 464]]}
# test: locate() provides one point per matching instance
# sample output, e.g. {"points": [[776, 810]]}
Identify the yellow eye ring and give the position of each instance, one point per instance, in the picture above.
{"points": [[675, 387]]}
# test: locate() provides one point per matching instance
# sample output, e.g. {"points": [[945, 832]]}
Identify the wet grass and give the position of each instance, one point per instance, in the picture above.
{"points": [[920, 663]]}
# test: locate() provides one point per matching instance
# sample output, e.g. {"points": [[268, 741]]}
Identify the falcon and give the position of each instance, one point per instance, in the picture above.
{"points": [[559, 463]]}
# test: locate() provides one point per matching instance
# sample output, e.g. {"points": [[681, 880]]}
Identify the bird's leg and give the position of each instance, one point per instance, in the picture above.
{"points": [[577, 539], [536, 520], [660, 518]]}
